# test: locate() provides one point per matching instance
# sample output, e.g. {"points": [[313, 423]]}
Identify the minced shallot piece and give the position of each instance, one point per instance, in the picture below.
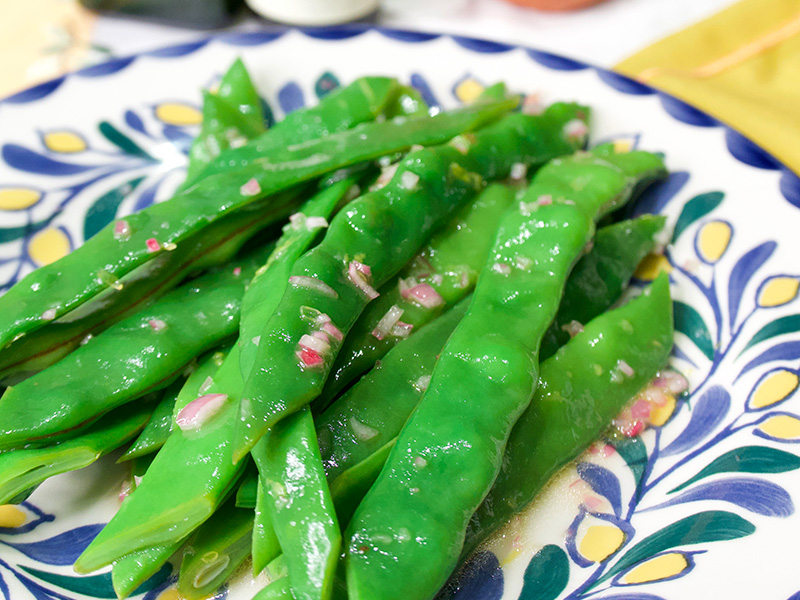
{"points": [[200, 411], [312, 283], [359, 273], [387, 322], [424, 295]]}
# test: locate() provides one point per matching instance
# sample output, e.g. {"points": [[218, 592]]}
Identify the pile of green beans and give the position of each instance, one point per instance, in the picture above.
{"points": [[417, 339]]}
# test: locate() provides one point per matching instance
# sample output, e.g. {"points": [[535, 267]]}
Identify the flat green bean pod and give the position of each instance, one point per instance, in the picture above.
{"points": [[46, 295], [441, 274], [189, 478], [231, 116], [493, 353], [581, 389], [215, 551], [215, 245], [24, 469], [369, 243], [156, 344], [176, 396], [302, 512]]}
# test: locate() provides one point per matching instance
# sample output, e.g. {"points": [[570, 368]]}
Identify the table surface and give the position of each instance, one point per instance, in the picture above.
{"points": [[40, 39]]}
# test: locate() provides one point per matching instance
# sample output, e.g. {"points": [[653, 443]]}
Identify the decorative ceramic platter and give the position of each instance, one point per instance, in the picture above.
{"points": [[701, 505]]}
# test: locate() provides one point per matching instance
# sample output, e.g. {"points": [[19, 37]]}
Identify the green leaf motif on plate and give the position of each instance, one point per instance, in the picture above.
{"points": [[104, 209], [633, 451], [96, 586], [546, 575], [326, 83], [689, 322], [122, 141], [747, 459], [708, 526], [696, 208], [781, 326]]}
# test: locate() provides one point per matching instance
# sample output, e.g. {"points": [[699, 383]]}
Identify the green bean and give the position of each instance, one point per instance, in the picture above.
{"points": [[217, 244], [189, 478], [366, 419], [449, 264], [491, 354], [246, 494], [156, 432], [142, 353], [600, 277], [24, 469], [132, 570], [581, 390], [231, 116], [302, 511], [215, 551], [47, 294], [269, 283], [358, 430], [367, 244], [266, 547], [176, 396], [360, 102]]}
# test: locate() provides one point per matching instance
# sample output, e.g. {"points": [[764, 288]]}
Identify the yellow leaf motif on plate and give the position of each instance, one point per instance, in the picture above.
{"points": [[174, 113], [774, 388], [11, 516], [713, 240], [171, 593], [778, 291], [600, 542], [655, 569], [782, 427], [651, 266], [48, 246], [468, 90], [18, 198], [65, 142]]}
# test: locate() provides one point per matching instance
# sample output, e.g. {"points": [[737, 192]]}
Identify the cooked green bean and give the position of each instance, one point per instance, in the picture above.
{"points": [[215, 245], [176, 396], [24, 469], [142, 353], [215, 551], [45, 295], [493, 353], [369, 243], [448, 264], [581, 390], [231, 116], [188, 479], [302, 512], [600, 277]]}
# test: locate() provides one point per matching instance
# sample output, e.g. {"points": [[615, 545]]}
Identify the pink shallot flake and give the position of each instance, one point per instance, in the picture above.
{"points": [[309, 358], [152, 245], [251, 188], [157, 324], [199, 411], [423, 294], [122, 229]]}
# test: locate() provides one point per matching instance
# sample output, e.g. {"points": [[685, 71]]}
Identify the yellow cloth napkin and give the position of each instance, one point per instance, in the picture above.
{"points": [[742, 66]]}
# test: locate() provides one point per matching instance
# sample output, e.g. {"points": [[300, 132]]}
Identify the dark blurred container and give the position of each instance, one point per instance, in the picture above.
{"points": [[200, 14]]}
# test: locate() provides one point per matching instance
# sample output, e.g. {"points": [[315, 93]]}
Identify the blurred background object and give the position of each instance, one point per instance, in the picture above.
{"points": [[205, 14], [43, 39], [556, 5], [313, 12]]}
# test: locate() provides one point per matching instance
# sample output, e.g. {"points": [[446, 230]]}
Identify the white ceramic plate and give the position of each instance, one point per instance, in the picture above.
{"points": [[99, 143]]}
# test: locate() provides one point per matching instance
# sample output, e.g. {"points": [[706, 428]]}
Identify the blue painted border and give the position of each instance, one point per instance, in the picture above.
{"points": [[740, 147]]}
